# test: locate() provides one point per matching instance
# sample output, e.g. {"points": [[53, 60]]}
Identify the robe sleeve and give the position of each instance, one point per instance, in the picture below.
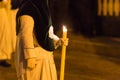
{"points": [[27, 25]]}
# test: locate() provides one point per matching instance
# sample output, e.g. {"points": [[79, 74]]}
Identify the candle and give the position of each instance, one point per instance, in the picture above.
{"points": [[64, 32], [62, 70]]}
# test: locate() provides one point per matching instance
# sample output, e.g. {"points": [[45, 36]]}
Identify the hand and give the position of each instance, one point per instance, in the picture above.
{"points": [[5, 1], [64, 41], [31, 62], [61, 42]]}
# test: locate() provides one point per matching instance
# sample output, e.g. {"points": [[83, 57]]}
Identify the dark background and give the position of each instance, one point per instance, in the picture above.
{"points": [[81, 16]]}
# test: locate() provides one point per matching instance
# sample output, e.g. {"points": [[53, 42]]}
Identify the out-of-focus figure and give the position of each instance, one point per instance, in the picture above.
{"points": [[7, 32]]}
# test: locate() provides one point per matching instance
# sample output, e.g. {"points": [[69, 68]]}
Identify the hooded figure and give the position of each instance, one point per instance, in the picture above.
{"points": [[7, 35], [34, 48]]}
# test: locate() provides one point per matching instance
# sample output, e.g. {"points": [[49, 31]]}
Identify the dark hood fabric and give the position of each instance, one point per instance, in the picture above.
{"points": [[39, 11], [15, 3]]}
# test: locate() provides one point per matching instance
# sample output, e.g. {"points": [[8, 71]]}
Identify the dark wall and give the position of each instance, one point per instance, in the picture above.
{"points": [[81, 16], [59, 12], [111, 26]]}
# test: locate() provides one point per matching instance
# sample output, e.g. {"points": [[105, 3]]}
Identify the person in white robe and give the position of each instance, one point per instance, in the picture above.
{"points": [[7, 32], [35, 42]]}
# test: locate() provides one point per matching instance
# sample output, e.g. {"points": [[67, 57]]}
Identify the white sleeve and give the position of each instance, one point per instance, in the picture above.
{"points": [[52, 35]]}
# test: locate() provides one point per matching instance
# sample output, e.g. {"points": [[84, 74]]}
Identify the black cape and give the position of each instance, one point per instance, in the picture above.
{"points": [[39, 11]]}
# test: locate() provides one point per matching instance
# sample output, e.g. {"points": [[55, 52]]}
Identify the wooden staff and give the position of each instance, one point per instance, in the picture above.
{"points": [[62, 70]]}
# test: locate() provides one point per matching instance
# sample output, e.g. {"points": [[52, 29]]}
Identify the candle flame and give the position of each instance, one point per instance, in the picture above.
{"points": [[64, 29]]}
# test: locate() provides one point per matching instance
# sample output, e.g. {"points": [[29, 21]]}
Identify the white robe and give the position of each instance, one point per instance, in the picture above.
{"points": [[45, 66], [7, 34]]}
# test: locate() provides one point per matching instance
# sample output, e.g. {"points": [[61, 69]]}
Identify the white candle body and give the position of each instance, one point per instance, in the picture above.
{"points": [[62, 70], [64, 32]]}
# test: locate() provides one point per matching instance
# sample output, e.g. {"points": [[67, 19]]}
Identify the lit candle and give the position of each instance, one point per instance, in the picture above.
{"points": [[62, 70], [64, 32]]}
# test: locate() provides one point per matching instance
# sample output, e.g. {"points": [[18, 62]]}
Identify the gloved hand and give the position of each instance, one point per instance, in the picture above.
{"points": [[31, 62], [61, 42], [64, 41]]}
